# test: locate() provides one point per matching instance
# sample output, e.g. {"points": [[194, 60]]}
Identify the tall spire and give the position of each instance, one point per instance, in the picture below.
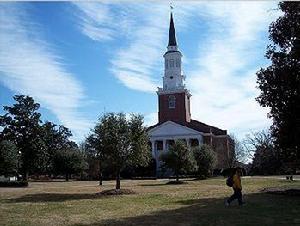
{"points": [[172, 37]]}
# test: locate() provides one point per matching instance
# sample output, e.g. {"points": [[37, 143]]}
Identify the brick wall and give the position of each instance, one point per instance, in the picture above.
{"points": [[181, 112]]}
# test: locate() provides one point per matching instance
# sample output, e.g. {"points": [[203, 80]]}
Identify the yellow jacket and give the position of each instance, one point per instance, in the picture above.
{"points": [[237, 182]]}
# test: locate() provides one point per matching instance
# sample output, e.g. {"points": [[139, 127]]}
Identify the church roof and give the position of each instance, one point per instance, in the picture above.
{"points": [[172, 37], [198, 126], [202, 127]]}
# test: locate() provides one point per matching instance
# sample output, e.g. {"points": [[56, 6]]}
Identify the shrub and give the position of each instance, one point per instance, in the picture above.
{"points": [[206, 160], [179, 159], [13, 183]]}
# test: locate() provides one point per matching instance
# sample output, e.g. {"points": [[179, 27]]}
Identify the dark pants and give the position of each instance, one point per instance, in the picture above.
{"points": [[236, 195]]}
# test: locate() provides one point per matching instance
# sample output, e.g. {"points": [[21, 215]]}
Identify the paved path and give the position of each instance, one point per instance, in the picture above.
{"points": [[280, 177]]}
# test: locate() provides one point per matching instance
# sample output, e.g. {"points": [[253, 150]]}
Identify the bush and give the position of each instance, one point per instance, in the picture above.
{"points": [[206, 159], [13, 183], [179, 159]]}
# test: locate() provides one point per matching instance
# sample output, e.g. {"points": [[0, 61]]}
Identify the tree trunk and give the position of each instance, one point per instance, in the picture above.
{"points": [[100, 174], [118, 183], [100, 178], [25, 176], [177, 177], [67, 177]]}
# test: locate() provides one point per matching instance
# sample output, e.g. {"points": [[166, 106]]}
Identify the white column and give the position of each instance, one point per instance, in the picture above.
{"points": [[153, 148], [200, 140], [164, 144], [199, 143], [188, 142], [155, 154]]}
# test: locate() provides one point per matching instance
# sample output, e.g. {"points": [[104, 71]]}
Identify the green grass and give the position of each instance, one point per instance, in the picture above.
{"points": [[155, 203]]}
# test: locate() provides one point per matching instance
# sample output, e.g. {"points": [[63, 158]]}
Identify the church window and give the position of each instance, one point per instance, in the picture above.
{"points": [[177, 62], [171, 77], [171, 63], [167, 64], [172, 100]]}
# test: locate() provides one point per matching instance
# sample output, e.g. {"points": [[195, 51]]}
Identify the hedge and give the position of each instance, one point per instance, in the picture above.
{"points": [[13, 183]]}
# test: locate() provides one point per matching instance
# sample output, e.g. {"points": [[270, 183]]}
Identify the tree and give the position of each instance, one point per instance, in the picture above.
{"points": [[21, 125], [94, 157], [178, 158], [69, 161], [55, 138], [206, 160], [121, 142], [8, 158], [265, 157], [239, 154], [280, 82]]}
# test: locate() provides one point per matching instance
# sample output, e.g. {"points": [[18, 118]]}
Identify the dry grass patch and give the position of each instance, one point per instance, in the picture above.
{"points": [[153, 203]]}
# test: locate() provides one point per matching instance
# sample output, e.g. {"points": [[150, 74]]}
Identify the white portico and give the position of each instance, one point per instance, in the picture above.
{"points": [[164, 135]]}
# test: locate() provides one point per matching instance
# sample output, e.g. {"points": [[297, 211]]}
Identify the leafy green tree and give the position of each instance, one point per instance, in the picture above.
{"points": [[121, 142], [206, 160], [280, 82], [94, 157], [21, 125], [69, 161], [178, 158], [55, 138], [9, 157], [94, 150]]}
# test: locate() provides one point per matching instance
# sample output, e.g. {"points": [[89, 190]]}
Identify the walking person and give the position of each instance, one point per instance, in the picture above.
{"points": [[237, 188]]}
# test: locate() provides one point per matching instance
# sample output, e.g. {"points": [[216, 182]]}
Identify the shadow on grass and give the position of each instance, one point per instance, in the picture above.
{"points": [[261, 209], [170, 182], [153, 185], [49, 181], [53, 197]]}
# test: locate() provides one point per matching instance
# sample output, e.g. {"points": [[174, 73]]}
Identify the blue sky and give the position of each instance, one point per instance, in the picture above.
{"points": [[81, 59]]}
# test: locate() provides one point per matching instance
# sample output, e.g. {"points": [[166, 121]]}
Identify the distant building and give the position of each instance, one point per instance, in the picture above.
{"points": [[174, 115]]}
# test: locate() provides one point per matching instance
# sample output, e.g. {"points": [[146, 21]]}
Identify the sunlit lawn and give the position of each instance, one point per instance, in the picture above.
{"points": [[155, 203]]}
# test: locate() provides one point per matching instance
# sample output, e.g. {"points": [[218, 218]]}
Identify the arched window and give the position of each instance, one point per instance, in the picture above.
{"points": [[177, 62], [167, 63], [172, 101], [171, 62]]}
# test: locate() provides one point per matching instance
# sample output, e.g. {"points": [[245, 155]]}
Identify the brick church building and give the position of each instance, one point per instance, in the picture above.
{"points": [[174, 114]]}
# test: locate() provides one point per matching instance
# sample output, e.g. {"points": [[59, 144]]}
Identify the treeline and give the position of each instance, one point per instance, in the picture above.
{"points": [[29, 146], [116, 147]]}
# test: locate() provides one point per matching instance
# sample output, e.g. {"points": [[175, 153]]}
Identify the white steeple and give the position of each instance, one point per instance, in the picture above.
{"points": [[173, 78]]}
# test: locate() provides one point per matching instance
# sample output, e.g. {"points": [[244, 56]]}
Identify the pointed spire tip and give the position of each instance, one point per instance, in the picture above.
{"points": [[172, 36]]}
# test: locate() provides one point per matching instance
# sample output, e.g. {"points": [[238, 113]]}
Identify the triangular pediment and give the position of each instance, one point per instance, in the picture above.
{"points": [[170, 128]]}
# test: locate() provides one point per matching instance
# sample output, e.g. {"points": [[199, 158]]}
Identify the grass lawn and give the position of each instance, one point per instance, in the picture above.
{"points": [[155, 203]]}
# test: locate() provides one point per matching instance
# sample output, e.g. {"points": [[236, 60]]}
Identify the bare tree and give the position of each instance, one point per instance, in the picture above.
{"points": [[255, 141], [265, 157], [239, 155]]}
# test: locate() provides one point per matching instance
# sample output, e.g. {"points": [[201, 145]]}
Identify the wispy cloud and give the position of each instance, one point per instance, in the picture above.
{"points": [[223, 79], [140, 30], [95, 20], [28, 65]]}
